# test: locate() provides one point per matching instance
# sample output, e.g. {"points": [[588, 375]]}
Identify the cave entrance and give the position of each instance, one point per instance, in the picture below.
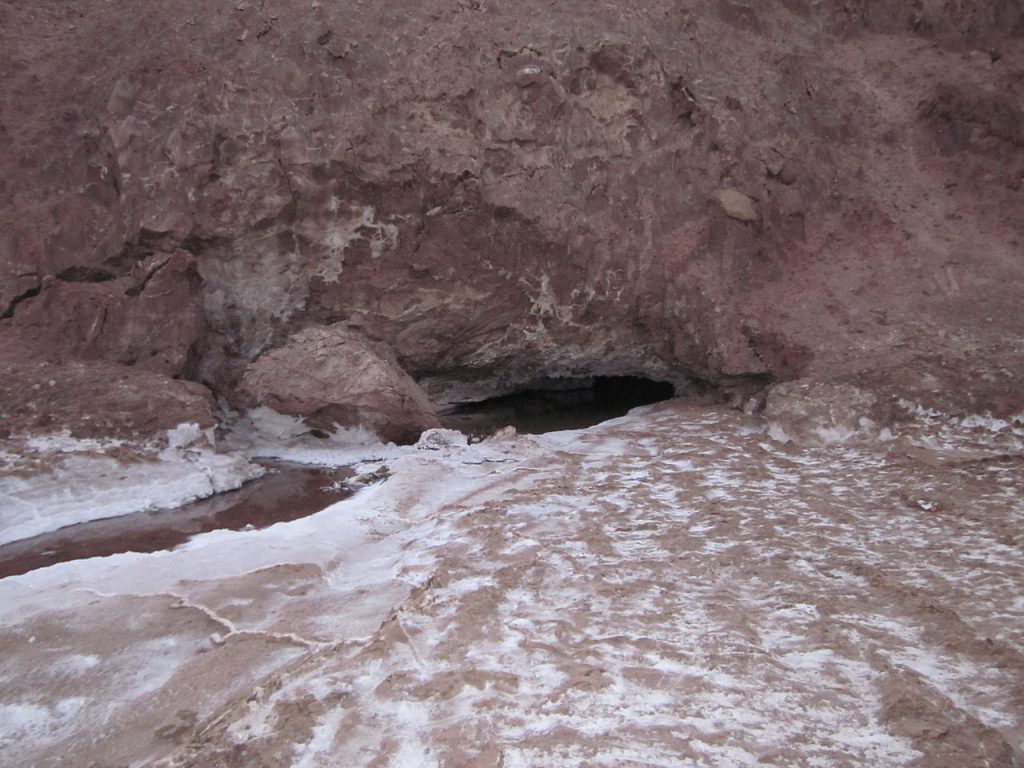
{"points": [[556, 404]]}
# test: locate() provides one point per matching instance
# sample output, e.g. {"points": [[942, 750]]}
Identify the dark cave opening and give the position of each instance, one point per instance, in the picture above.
{"points": [[555, 404]]}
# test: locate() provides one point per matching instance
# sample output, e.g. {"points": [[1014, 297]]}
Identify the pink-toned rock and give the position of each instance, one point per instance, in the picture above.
{"points": [[97, 399], [334, 376], [149, 318], [508, 194]]}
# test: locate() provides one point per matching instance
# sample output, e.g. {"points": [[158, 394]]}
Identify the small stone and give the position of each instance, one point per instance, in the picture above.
{"points": [[773, 165], [737, 205], [529, 74], [505, 433], [437, 439]]}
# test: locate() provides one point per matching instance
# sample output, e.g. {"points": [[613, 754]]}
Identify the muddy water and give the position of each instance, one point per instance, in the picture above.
{"points": [[285, 492]]}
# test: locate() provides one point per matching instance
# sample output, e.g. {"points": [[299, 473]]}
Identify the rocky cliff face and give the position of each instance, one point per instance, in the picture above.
{"points": [[501, 192]]}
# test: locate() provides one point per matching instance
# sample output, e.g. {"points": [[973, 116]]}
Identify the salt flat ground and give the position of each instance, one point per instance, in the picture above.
{"points": [[672, 588]]}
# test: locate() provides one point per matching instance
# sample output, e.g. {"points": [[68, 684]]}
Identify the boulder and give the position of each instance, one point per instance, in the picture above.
{"points": [[333, 376]]}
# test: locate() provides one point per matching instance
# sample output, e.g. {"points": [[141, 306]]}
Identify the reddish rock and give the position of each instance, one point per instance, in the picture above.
{"points": [[506, 193], [150, 318], [334, 376], [94, 399]]}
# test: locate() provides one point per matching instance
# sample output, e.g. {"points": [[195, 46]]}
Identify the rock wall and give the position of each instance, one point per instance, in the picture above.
{"points": [[728, 190]]}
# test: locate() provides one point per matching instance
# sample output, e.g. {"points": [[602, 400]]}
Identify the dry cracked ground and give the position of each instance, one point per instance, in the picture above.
{"points": [[673, 588]]}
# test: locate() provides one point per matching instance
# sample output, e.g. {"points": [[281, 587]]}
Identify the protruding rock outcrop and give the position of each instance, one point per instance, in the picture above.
{"points": [[92, 399], [149, 318]]}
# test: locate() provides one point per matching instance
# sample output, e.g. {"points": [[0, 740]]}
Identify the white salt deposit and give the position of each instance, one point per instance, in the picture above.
{"points": [[666, 589]]}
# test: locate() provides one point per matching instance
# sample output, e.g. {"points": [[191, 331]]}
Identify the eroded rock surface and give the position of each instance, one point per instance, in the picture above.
{"points": [[149, 318], [95, 398], [508, 192]]}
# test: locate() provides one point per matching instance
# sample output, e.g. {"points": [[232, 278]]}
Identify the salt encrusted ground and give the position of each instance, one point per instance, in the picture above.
{"points": [[49, 482], [668, 589], [52, 481]]}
